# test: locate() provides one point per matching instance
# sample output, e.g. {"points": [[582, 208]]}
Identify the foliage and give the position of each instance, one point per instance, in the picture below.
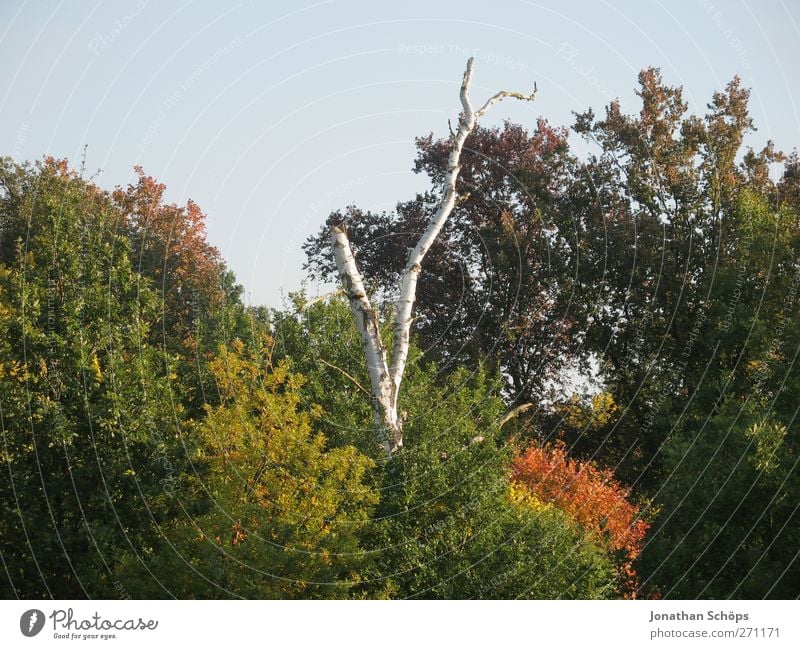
{"points": [[589, 495], [447, 527], [730, 463], [659, 204], [284, 513], [200, 303], [320, 341], [497, 281], [90, 436], [639, 303], [729, 507]]}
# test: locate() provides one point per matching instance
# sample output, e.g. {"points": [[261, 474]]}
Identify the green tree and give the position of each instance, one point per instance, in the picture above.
{"points": [[728, 515], [319, 341], [658, 205], [200, 303], [728, 524], [284, 512], [447, 524], [90, 437]]}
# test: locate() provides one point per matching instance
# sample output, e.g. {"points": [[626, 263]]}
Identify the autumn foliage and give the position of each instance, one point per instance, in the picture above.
{"points": [[161, 438], [170, 246], [591, 496]]}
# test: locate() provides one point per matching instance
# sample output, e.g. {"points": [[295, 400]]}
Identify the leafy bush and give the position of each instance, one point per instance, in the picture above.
{"points": [[590, 496], [284, 512]]}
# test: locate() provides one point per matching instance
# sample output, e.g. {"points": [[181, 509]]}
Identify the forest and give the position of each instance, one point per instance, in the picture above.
{"points": [[599, 401]]}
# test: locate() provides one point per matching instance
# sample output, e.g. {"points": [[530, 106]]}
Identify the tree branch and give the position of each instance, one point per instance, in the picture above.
{"points": [[408, 282], [346, 375], [513, 413], [321, 298], [502, 95]]}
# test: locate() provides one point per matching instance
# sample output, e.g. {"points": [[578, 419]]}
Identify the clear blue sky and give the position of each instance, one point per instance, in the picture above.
{"points": [[271, 114]]}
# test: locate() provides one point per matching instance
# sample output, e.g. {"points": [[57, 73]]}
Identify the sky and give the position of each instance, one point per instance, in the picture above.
{"points": [[270, 115]]}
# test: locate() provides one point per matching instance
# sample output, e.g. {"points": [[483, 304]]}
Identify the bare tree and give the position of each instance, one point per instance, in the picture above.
{"points": [[386, 378]]}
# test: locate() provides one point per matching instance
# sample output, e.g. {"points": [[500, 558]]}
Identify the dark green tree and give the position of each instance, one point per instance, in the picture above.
{"points": [[92, 441]]}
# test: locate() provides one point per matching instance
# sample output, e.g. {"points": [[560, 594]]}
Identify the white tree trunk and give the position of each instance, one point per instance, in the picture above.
{"points": [[385, 379], [384, 403]]}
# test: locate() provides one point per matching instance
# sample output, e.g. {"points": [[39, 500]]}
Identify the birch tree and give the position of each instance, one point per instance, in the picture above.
{"points": [[386, 371]]}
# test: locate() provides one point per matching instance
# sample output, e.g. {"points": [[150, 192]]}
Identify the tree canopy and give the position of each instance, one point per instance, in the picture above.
{"points": [[600, 399]]}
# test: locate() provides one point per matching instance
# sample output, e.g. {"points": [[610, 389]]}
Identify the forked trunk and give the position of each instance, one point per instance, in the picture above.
{"points": [[386, 379]]}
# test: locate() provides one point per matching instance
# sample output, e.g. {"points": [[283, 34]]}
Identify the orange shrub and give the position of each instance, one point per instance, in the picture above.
{"points": [[591, 496]]}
